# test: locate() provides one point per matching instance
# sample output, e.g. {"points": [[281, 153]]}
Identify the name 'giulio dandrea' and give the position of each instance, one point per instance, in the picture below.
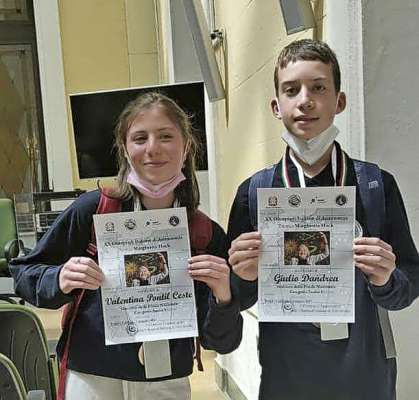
{"points": [[305, 278]]}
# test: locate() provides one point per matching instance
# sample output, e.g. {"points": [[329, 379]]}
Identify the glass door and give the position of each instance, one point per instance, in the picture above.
{"points": [[22, 155]]}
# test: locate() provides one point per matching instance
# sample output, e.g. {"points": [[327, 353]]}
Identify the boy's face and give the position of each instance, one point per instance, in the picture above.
{"points": [[144, 273], [307, 99], [303, 251]]}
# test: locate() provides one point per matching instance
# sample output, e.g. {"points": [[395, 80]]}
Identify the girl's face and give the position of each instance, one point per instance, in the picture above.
{"points": [[155, 146]]}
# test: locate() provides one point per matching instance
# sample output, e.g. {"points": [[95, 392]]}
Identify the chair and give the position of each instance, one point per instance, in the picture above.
{"points": [[23, 340], [9, 243], [11, 384]]}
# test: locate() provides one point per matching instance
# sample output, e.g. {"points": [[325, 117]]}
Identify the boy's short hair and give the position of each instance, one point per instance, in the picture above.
{"points": [[308, 50]]}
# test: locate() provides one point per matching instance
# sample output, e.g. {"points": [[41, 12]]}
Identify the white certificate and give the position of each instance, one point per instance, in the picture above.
{"points": [[306, 268], [147, 293]]}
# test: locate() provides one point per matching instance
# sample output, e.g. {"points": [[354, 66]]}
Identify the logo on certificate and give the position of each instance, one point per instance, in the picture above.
{"points": [[341, 200], [174, 220], [318, 200], [151, 222], [132, 329], [110, 227], [272, 201], [130, 224], [294, 200], [287, 307]]}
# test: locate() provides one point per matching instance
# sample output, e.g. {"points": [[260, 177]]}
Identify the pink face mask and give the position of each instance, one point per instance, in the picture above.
{"points": [[154, 191]]}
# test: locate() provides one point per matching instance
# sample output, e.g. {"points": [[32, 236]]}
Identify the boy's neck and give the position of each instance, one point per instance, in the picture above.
{"points": [[313, 170]]}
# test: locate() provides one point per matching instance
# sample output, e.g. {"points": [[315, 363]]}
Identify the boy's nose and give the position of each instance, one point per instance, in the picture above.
{"points": [[306, 102]]}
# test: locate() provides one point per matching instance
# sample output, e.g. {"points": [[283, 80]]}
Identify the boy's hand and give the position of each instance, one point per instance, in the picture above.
{"points": [[215, 272], [244, 255], [80, 273], [375, 258]]}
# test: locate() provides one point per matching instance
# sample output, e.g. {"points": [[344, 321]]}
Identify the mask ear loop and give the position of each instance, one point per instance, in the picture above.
{"points": [[185, 152], [128, 158], [137, 201]]}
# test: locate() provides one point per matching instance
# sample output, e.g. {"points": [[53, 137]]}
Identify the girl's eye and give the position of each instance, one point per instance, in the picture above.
{"points": [[140, 139], [166, 136]]}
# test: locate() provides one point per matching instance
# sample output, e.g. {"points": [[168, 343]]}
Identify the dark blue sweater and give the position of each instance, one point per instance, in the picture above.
{"points": [[36, 280], [296, 364]]}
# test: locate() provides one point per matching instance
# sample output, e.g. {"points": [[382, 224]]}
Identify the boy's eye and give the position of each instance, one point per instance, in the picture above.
{"points": [[290, 91], [319, 88]]}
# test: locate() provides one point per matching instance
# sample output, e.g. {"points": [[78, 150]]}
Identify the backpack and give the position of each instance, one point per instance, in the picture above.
{"points": [[371, 190], [200, 234]]}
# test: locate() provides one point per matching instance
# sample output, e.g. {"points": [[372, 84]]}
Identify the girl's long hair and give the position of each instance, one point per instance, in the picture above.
{"points": [[187, 192]]}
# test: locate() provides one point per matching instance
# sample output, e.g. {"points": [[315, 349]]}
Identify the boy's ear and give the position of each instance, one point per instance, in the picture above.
{"points": [[341, 103], [276, 110]]}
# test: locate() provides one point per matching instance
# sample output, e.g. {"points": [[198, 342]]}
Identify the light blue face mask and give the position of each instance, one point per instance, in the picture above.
{"points": [[311, 150]]}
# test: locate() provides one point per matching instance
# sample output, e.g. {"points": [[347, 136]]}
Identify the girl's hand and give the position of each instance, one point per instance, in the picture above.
{"points": [[213, 271], [80, 273]]}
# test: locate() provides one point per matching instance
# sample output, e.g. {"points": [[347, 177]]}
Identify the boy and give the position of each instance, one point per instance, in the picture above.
{"points": [[296, 363]]}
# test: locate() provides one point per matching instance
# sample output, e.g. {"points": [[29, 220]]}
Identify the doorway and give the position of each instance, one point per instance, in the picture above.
{"points": [[22, 157]]}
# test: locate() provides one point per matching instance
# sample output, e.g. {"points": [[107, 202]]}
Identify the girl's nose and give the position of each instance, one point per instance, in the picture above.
{"points": [[152, 145]]}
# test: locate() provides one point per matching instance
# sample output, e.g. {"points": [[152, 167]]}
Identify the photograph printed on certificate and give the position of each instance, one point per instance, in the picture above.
{"points": [[306, 248], [143, 269], [306, 269], [147, 293]]}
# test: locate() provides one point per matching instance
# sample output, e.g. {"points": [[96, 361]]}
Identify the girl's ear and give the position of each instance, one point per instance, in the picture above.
{"points": [[276, 110]]}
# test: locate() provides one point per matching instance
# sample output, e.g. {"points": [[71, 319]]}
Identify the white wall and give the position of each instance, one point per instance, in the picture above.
{"points": [[243, 364], [185, 62], [343, 33], [51, 75], [391, 87], [186, 69]]}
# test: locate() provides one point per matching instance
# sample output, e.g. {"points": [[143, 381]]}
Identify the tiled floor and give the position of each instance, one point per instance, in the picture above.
{"points": [[202, 383]]}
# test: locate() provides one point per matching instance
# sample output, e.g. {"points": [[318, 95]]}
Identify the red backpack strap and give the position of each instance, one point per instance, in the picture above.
{"points": [[200, 234], [107, 204]]}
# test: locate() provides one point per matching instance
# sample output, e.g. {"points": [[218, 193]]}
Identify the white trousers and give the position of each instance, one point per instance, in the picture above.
{"points": [[81, 386]]}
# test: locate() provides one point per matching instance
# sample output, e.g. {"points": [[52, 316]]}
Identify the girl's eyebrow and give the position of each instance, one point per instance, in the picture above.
{"points": [[137, 131]]}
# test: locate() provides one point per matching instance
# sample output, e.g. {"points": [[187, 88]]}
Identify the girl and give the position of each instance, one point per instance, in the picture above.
{"points": [[156, 152]]}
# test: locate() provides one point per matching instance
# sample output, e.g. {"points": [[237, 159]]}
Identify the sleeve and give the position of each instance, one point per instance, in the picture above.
{"points": [[403, 286], [220, 325], [239, 222], [316, 258], [158, 278], [36, 274]]}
